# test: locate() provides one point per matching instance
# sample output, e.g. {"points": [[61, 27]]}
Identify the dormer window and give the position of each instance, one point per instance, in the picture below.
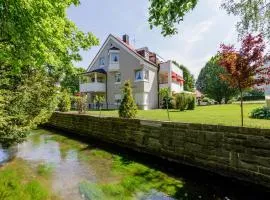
{"points": [[102, 61]]}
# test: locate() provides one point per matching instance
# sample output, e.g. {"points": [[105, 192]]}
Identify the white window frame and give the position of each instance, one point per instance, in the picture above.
{"points": [[111, 57], [117, 74], [143, 73]]}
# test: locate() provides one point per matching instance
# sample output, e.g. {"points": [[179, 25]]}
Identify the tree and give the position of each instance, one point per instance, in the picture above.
{"points": [[188, 77], [64, 104], [37, 42], [165, 94], [245, 67], [71, 80], [99, 99], [209, 83], [127, 108], [27, 99], [254, 15], [166, 13]]}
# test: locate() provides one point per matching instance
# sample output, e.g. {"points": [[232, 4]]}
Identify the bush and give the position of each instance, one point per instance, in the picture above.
{"points": [[128, 108], [260, 113], [81, 103], [185, 101], [181, 101], [64, 101], [191, 101]]}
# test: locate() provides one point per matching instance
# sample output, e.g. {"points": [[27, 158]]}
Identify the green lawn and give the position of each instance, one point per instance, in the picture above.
{"points": [[217, 114]]}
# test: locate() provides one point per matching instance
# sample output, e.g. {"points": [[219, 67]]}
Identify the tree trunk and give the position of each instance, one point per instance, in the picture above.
{"points": [[242, 112]]}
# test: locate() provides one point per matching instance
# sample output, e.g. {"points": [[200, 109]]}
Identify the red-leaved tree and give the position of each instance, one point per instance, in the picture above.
{"points": [[245, 67]]}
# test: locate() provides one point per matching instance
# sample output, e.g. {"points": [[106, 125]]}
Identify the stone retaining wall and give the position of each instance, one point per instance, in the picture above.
{"points": [[242, 153]]}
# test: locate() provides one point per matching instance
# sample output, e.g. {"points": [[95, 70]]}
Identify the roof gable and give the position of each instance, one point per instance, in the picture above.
{"points": [[125, 46]]}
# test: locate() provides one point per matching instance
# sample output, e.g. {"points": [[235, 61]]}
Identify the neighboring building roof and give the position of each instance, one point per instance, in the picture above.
{"points": [[198, 94]]}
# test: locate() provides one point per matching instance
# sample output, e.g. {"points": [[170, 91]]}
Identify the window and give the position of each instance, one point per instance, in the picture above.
{"points": [[114, 57], [102, 61], [142, 75], [139, 75], [146, 75], [117, 77]]}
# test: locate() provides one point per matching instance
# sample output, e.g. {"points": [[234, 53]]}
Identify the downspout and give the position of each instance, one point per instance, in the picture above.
{"points": [[106, 90], [158, 66]]}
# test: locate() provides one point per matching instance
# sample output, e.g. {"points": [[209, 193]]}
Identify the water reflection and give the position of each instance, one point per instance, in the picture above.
{"points": [[7, 154], [68, 170]]}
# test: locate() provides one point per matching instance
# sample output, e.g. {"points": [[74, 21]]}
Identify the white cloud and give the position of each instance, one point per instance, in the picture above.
{"points": [[199, 30]]}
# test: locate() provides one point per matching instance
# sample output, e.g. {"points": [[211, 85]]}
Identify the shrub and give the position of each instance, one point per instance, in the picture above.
{"points": [[181, 101], [191, 100], [81, 103], [185, 101], [128, 108], [260, 113], [64, 101]]}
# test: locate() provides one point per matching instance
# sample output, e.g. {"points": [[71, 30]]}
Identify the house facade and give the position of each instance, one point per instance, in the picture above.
{"points": [[116, 62]]}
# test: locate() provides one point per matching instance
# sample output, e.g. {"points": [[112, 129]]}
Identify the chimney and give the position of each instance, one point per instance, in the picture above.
{"points": [[126, 39]]}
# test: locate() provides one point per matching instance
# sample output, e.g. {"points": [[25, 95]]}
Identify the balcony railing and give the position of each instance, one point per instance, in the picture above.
{"points": [[113, 66], [93, 87]]}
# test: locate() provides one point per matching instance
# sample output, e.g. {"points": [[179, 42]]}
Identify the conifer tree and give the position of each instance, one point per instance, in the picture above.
{"points": [[128, 108]]}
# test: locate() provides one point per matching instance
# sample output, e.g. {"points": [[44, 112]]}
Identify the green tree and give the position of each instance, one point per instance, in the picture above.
{"points": [[210, 83], [166, 96], [99, 100], [37, 41], [189, 83], [71, 80], [27, 99], [64, 104], [254, 16], [127, 108]]}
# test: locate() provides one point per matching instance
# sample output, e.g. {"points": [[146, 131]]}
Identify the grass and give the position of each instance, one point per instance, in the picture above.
{"points": [[18, 181], [216, 114]]}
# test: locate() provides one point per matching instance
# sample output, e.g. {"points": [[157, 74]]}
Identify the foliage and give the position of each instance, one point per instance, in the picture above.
{"points": [[99, 100], [71, 80], [253, 95], [245, 67], [254, 15], [64, 101], [166, 97], [191, 102], [37, 41], [165, 14], [127, 108], [81, 103], [27, 99], [36, 33], [189, 83], [260, 113], [210, 84], [181, 101]]}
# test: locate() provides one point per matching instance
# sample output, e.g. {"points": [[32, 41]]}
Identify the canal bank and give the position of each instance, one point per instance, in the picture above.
{"points": [[241, 153]]}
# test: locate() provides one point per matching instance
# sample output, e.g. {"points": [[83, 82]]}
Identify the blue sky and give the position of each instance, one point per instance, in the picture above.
{"points": [[198, 39]]}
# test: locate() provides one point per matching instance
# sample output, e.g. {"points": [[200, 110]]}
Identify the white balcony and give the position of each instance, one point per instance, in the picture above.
{"points": [[93, 87], [113, 67], [176, 88]]}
